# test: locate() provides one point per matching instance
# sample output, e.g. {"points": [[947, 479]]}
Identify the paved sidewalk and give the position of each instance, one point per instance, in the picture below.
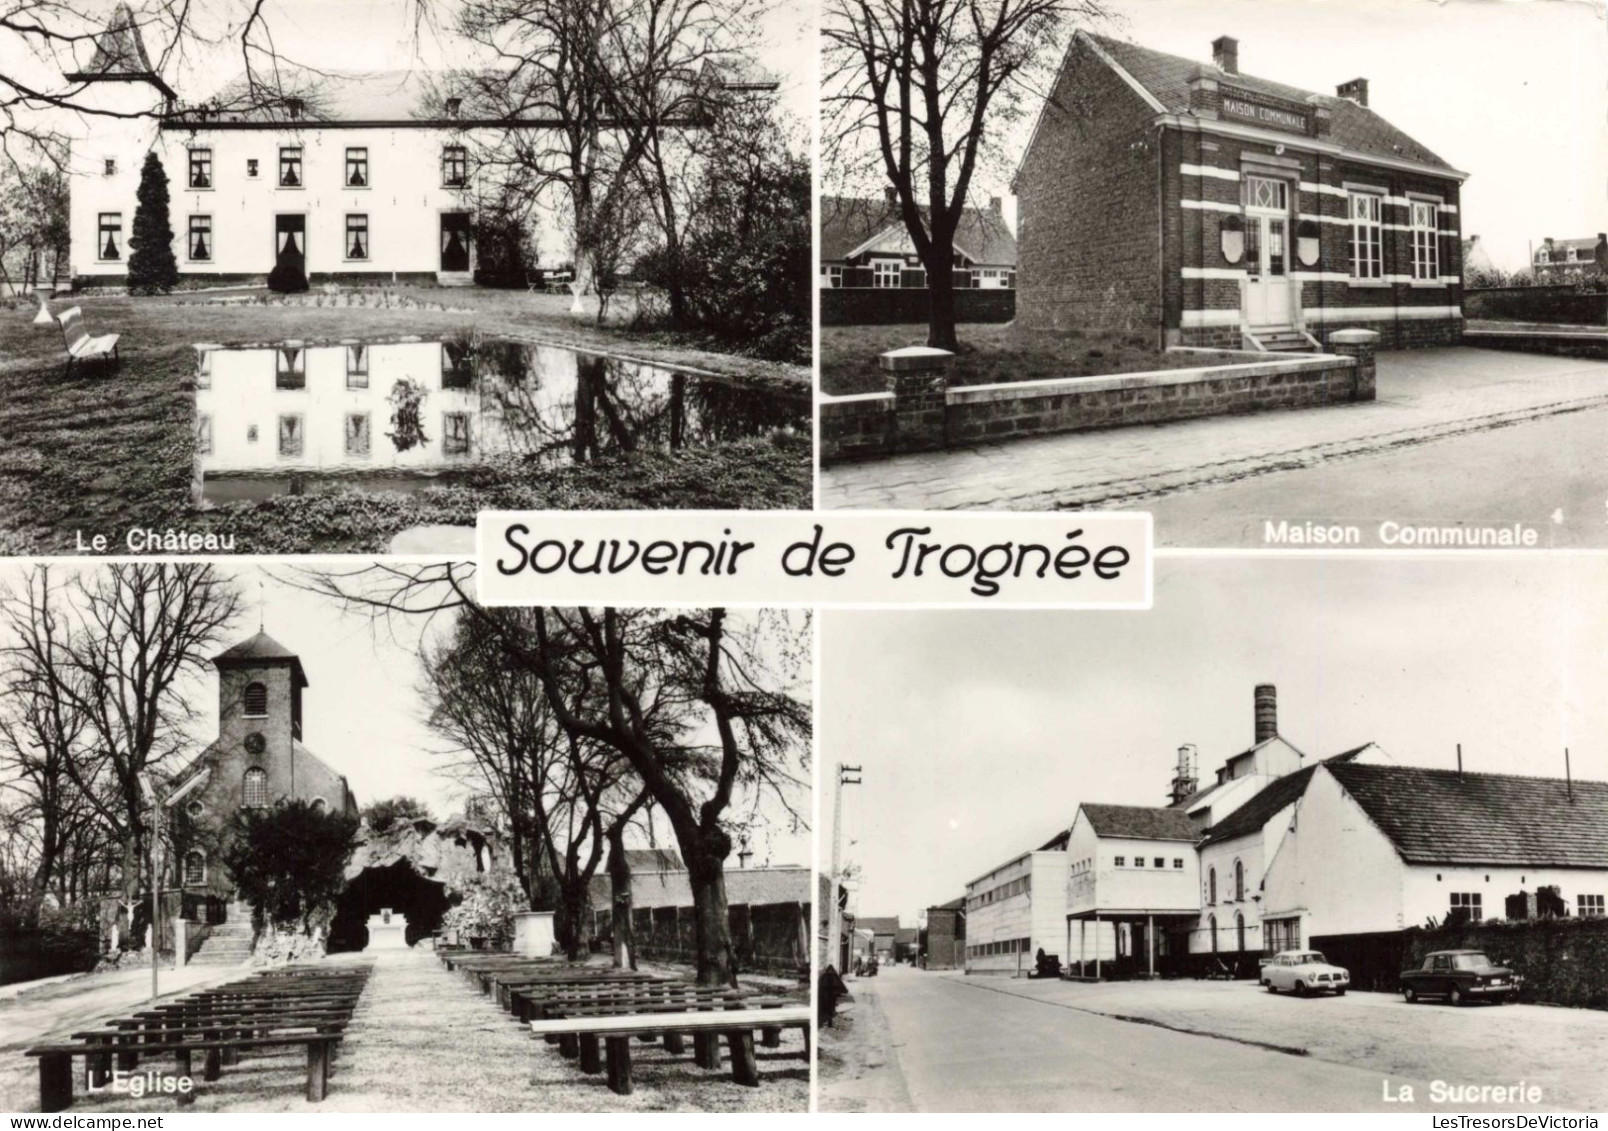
{"points": [[1423, 395]]}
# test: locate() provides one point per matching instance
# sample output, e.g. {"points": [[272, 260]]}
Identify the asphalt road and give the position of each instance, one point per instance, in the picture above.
{"points": [[964, 1045], [1524, 473]]}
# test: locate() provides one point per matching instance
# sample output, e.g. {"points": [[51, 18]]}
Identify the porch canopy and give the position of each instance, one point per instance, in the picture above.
{"points": [[1150, 941]]}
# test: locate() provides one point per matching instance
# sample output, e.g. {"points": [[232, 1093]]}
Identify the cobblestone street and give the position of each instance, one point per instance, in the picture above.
{"points": [[1424, 396]]}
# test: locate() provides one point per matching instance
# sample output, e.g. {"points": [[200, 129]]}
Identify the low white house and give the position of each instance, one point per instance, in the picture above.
{"points": [[1375, 848]]}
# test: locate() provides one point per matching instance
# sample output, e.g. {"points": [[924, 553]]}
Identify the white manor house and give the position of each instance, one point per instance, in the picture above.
{"points": [[369, 176]]}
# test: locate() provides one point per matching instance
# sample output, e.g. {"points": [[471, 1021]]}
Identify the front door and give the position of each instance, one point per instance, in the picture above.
{"points": [[1267, 256], [1268, 297], [290, 239], [455, 241]]}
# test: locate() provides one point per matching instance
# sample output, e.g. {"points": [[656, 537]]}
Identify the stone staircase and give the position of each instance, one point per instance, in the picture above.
{"points": [[1281, 339], [229, 943]]}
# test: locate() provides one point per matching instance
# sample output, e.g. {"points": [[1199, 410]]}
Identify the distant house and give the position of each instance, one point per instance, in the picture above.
{"points": [[884, 933], [1477, 263], [864, 245], [1573, 260], [946, 935]]}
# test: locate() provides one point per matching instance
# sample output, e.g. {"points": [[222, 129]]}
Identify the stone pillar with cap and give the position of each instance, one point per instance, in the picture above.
{"points": [[1360, 345], [918, 378]]}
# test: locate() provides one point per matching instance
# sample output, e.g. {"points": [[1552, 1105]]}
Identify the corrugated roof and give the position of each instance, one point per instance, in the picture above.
{"points": [[848, 221], [1443, 817], [1141, 822], [1256, 812], [1352, 126]]}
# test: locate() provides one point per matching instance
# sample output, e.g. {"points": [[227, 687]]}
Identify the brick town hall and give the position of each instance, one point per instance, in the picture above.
{"points": [[1207, 207]]}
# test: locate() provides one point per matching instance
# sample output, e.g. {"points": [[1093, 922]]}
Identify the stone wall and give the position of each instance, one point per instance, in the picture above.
{"points": [[1557, 343], [850, 429], [883, 306]]}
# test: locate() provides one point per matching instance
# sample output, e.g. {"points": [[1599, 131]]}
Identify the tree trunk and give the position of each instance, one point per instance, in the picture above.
{"points": [[941, 295], [625, 957], [706, 872]]}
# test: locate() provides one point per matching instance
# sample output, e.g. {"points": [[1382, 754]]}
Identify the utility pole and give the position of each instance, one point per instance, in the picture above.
{"points": [[846, 775]]}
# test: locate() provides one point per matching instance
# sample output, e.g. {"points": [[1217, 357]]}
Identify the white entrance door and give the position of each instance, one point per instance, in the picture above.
{"points": [[1267, 230]]}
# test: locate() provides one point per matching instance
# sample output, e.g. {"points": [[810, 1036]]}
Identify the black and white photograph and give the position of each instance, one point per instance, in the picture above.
{"points": [[297, 276], [1283, 273], [340, 838], [1305, 837]]}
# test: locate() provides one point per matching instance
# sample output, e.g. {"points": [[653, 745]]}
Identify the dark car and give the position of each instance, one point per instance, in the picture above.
{"points": [[1460, 976]]}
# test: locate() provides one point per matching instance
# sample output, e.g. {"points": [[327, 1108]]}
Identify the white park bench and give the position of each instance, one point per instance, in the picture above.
{"points": [[81, 346]]}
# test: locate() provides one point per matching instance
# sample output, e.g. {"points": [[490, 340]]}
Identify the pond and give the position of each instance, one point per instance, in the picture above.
{"points": [[294, 418]]}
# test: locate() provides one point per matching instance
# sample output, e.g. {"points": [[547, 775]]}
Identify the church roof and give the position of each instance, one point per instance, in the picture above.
{"points": [[260, 649]]}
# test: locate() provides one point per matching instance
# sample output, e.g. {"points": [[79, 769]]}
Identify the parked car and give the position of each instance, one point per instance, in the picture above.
{"points": [[1460, 976], [1304, 972]]}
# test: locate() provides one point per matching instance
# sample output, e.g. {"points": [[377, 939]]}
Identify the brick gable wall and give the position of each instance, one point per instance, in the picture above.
{"points": [[1088, 249]]}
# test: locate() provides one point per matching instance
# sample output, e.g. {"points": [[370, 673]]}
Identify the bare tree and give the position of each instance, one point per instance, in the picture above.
{"points": [[110, 650], [917, 94], [746, 727]]}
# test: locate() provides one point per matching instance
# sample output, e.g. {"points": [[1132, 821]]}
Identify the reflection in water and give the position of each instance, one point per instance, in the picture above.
{"points": [[403, 414]]}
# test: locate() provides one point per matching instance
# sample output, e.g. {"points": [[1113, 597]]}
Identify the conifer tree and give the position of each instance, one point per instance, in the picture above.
{"points": [[151, 266]]}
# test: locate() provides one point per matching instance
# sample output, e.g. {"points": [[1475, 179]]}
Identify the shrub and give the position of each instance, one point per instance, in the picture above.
{"points": [[151, 266], [383, 814], [289, 275], [289, 862]]}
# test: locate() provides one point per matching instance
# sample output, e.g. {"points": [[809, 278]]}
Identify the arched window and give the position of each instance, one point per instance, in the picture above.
{"points": [[1239, 881], [195, 867], [256, 701], [1211, 887], [1213, 922], [1239, 930], [256, 789], [320, 805]]}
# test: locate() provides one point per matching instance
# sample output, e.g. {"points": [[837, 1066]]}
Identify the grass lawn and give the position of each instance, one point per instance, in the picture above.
{"points": [[104, 453], [990, 354]]}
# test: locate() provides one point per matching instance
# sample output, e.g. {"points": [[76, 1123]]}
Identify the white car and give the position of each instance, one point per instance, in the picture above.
{"points": [[1304, 972]]}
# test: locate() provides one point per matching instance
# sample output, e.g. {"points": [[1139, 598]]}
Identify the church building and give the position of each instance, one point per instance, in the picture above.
{"points": [[1201, 206], [257, 760]]}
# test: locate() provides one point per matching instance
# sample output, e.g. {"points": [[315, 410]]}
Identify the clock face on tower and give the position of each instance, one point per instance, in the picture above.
{"points": [[255, 743]]}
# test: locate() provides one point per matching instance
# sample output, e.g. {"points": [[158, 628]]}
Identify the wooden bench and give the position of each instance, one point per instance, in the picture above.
{"points": [[81, 346], [306, 1007], [737, 1025]]}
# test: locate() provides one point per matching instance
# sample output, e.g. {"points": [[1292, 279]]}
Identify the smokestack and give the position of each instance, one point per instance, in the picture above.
{"points": [[1267, 712], [1225, 53], [1184, 783], [1356, 90], [1460, 759]]}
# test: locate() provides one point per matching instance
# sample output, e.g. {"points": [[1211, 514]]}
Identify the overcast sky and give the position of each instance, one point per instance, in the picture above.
{"points": [[361, 712], [980, 733], [1512, 92]]}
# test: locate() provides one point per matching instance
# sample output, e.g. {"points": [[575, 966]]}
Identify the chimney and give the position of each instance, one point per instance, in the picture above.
{"points": [[1225, 53], [891, 195], [1356, 90], [1184, 783], [743, 855], [996, 205], [1267, 712]]}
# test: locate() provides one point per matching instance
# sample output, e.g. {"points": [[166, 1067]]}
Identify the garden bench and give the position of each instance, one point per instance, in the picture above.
{"points": [[80, 345], [737, 1026]]}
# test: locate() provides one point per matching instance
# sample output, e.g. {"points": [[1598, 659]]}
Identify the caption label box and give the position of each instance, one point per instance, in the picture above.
{"points": [[947, 559]]}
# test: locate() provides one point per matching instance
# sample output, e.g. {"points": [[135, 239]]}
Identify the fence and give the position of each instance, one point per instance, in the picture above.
{"points": [[769, 937], [1552, 305], [883, 306]]}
